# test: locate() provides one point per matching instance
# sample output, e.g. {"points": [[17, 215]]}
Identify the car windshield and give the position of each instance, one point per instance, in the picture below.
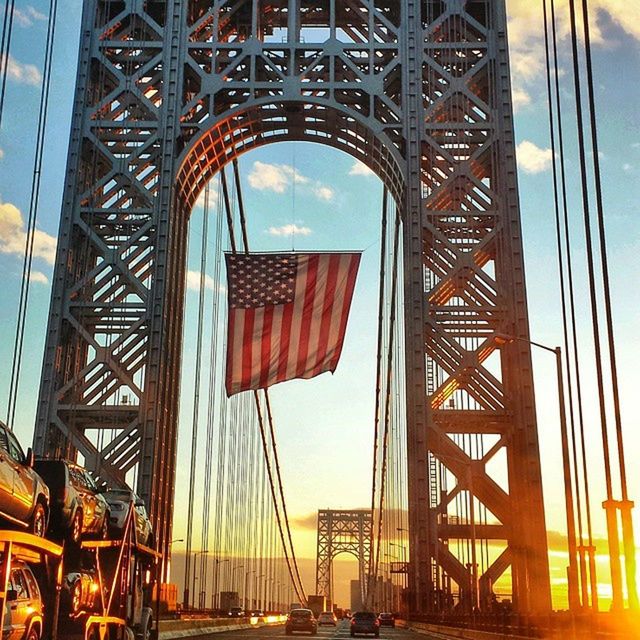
{"points": [[300, 613], [365, 615]]}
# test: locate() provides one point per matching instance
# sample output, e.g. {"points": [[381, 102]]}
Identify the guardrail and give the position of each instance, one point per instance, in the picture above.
{"points": [[560, 625], [193, 627]]}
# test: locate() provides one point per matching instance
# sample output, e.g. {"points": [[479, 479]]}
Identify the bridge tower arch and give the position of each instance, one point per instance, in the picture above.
{"points": [[343, 531], [168, 92]]}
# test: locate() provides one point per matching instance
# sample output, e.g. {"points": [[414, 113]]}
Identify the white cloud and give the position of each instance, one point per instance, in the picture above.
{"points": [[13, 235], [360, 169], [627, 168], [533, 159], [38, 276], [288, 230], [1, 154], [26, 17], [323, 192], [526, 36], [23, 73], [280, 177], [520, 98], [274, 177], [193, 281]]}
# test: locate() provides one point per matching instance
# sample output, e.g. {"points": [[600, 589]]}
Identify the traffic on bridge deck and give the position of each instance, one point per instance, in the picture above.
{"points": [[332, 335]]}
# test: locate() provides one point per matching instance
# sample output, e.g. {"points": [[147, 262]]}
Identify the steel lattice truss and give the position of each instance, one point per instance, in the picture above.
{"points": [[168, 92], [342, 532]]}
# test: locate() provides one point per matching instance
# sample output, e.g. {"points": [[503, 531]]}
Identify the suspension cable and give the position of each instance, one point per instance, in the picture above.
{"points": [[290, 558], [5, 48], [627, 522], [16, 364], [563, 292], [196, 395], [376, 412], [385, 437]]}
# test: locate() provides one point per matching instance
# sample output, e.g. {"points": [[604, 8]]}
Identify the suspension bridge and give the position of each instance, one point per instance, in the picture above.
{"points": [[169, 95]]}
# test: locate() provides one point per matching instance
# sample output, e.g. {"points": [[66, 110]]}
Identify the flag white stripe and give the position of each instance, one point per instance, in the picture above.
{"points": [[296, 325], [336, 316], [318, 306]]}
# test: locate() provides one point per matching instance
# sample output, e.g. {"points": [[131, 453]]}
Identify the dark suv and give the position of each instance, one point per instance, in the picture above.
{"points": [[24, 497], [365, 622], [301, 620], [77, 506]]}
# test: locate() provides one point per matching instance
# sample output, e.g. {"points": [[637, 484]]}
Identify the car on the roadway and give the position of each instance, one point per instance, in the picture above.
{"points": [[365, 622], [24, 609], [387, 620], [24, 496], [328, 618], [119, 501], [301, 620], [235, 612], [77, 505]]}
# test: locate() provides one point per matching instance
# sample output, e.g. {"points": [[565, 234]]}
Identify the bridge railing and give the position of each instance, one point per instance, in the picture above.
{"points": [[560, 624]]}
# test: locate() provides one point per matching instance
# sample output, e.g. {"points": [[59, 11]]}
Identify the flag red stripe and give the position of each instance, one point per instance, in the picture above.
{"points": [[230, 377], [247, 348], [327, 312], [267, 324], [307, 314], [285, 342], [346, 303]]}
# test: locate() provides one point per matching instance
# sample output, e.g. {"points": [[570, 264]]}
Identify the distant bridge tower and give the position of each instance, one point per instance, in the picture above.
{"points": [[342, 532], [170, 91]]}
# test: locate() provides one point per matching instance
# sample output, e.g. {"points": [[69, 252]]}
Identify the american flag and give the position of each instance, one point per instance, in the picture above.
{"points": [[287, 315]]}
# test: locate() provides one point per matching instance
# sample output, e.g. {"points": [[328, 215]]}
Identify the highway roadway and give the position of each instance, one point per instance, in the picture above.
{"points": [[341, 632]]}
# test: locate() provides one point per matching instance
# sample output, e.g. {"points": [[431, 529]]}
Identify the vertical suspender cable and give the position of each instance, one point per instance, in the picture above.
{"points": [[563, 298], [572, 312], [376, 413], [5, 48], [33, 207], [291, 563], [626, 504], [196, 404], [610, 507]]}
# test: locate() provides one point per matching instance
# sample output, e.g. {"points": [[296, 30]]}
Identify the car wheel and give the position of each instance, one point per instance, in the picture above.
{"points": [[33, 634], [39, 521], [76, 597], [75, 531]]}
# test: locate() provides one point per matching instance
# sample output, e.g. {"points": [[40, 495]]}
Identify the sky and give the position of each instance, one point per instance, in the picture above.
{"points": [[307, 196]]}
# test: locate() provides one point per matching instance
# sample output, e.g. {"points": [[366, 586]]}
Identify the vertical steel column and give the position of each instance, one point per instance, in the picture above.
{"points": [[420, 536]]}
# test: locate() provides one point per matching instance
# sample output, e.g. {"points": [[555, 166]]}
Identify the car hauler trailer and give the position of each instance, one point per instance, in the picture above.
{"points": [[99, 590]]}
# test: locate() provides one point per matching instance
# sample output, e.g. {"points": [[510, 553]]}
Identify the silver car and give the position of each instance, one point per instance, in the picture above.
{"points": [[119, 501]]}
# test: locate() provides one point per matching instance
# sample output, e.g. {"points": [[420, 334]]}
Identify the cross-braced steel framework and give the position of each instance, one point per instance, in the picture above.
{"points": [[168, 92], [339, 532]]}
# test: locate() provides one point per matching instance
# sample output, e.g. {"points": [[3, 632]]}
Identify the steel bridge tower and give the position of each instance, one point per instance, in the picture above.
{"points": [[341, 531], [170, 91]]}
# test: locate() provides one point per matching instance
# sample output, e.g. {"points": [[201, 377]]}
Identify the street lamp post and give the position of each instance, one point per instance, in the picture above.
{"points": [[233, 576], [572, 576], [195, 555], [215, 594]]}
